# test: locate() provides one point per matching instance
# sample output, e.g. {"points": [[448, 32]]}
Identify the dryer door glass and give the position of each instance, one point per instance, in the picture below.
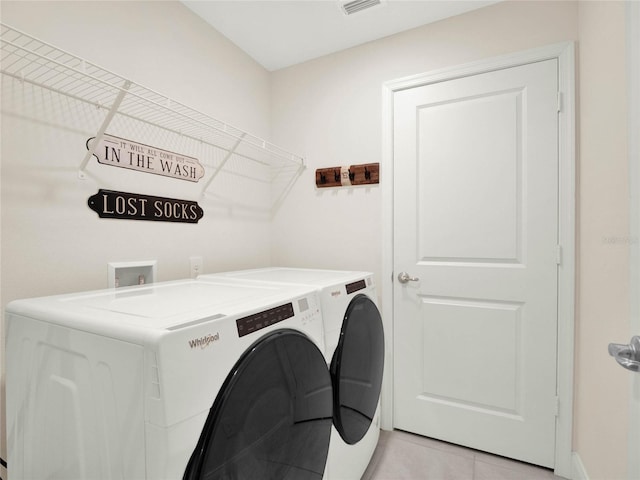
{"points": [[356, 369], [271, 419]]}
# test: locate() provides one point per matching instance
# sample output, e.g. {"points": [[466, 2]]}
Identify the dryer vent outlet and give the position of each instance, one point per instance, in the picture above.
{"points": [[355, 6]]}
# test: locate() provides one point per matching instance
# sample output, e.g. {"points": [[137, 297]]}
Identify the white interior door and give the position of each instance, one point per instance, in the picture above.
{"points": [[476, 229]]}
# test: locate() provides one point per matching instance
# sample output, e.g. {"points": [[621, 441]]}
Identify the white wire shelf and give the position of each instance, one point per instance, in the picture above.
{"points": [[33, 61]]}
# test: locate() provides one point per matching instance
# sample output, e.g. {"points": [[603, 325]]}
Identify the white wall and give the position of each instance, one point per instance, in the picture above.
{"points": [[602, 402], [51, 241]]}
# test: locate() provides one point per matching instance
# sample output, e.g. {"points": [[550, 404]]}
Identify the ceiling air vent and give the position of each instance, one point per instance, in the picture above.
{"points": [[355, 6]]}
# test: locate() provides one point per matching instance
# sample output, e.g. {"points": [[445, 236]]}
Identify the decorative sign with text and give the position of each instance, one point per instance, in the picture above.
{"points": [[119, 152], [134, 206]]}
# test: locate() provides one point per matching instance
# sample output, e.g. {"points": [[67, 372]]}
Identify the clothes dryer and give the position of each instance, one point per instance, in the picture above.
{"points": [[185, 379], [354, 340]]}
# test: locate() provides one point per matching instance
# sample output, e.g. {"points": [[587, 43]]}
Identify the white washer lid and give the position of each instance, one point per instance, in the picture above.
{"points": [[162, 301]]}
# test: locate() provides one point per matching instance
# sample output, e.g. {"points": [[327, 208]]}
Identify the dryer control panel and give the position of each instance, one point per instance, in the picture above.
{"points": [[258, 321], [355, 286]]}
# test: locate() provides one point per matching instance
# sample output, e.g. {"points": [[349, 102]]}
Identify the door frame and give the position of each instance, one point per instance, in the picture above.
{"points": [[565, 54]]}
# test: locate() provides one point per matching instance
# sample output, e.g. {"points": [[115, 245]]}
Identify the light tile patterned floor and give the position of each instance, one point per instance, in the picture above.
{"points": [[404, 456]]}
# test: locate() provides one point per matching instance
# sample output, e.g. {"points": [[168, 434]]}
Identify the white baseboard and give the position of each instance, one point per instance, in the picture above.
{"points": [[578, 472]]}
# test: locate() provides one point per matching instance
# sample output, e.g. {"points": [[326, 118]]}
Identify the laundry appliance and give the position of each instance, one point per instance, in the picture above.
{"points": [[354, 348], [185, 379]]}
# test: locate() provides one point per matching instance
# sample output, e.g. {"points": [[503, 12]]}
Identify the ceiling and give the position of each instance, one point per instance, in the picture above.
{"points": [[281, 33]]}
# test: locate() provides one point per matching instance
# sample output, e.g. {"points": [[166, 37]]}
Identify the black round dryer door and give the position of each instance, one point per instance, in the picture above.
{"points": [[272, 417], [356, 369]]}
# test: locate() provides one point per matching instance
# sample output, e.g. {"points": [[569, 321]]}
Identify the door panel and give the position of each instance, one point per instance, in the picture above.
{"points": [[452, 209], [476, 221], [492, 385]]}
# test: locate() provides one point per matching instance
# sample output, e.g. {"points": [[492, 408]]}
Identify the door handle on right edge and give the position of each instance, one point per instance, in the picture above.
{"points": [[627, 355]]}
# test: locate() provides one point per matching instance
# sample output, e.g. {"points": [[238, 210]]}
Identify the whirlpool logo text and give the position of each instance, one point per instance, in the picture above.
{"points": [[204, 342]]}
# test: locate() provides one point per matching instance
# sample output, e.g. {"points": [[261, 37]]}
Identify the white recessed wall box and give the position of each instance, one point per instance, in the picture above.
{"points": [[125, 274]]}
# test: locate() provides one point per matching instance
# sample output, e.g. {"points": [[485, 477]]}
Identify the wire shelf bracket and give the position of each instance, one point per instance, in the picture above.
{"points": [[103, 128]]}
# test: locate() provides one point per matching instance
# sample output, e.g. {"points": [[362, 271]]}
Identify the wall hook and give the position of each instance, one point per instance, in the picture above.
{"points": [[348, 176]]}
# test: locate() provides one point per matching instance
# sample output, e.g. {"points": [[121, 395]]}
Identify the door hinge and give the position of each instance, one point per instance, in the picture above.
{"points": [[558, 254], [559, 102]]}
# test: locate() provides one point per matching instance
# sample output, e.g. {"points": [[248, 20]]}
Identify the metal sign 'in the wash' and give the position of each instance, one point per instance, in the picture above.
{"points": [[134, 206], [119, 152]]}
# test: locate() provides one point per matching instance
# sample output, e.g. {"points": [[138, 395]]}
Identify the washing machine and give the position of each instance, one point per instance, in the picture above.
{"points": [[354, 343], [185, 379]]}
